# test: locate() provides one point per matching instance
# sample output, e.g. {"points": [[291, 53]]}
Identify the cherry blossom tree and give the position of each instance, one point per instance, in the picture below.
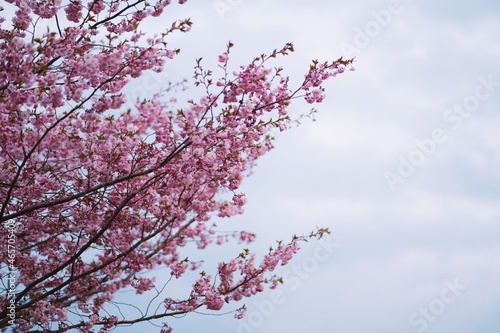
{"points": [[94, 192]]}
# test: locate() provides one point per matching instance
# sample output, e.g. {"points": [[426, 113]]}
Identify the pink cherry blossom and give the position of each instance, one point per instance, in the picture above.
{"points": [[97, 189]]}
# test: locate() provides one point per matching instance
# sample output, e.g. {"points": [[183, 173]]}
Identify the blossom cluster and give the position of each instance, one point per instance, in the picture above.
{"points": [[100, 193]]}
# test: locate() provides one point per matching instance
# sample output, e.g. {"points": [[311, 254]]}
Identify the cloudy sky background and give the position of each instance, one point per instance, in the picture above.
{"points": [[395, 251]]}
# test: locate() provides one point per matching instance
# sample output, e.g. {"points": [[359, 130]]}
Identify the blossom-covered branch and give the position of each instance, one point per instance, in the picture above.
{"points": [[100, 192]]}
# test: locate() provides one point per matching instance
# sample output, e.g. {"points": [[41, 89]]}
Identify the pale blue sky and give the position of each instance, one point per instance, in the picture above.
{"points": [[396, 248]]}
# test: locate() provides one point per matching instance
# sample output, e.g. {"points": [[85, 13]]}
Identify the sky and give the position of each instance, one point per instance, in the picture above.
{"points": [[402, 164]]}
